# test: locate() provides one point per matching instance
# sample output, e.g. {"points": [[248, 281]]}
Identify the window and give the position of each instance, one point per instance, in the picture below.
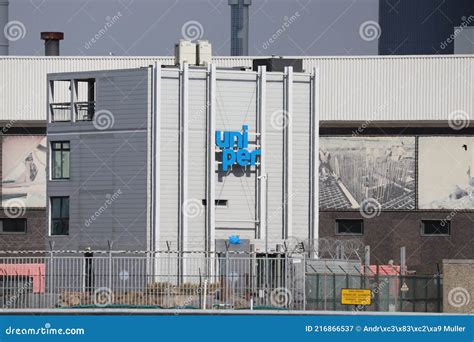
{"points": [[349, 227], [218, 203], [85, 101], [62, 108], [60, 151], [59, 215], [13, 226], [435, 227]]}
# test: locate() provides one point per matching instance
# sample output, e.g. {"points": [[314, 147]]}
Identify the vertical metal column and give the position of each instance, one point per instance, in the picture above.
{"points": [[183, 165], [287, 146], [314, 158], [211, 165], [262, 175], [73, 100], [50, 100], [156, 138], [155, 173]]}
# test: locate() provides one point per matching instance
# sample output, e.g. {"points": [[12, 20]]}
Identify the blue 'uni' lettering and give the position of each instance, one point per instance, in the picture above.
{"points": [[228, 141]]}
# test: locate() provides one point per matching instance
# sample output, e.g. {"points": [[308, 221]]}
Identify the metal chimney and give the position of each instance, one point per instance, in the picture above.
{"points": [[239, 27], [51, 42], [3, 22]]}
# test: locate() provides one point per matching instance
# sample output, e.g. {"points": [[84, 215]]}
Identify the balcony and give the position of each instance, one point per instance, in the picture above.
{"points": [[72, 100], [81, 111]]}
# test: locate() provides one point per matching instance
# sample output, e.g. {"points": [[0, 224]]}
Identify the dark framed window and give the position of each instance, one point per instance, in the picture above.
{"points": [[59, 210], [349, 227], [13, 226], [217, 202], [60, 152], [435, 227]]}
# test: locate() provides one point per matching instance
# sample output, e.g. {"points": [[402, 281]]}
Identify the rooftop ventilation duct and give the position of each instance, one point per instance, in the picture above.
{"points": [[278, 64], [51, 42]]}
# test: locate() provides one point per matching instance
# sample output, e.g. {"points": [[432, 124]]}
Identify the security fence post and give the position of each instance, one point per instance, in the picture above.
{"points": [[438, 292], [304, 281], [400, 292], [51, 267], [110, 244], [377, 294]]}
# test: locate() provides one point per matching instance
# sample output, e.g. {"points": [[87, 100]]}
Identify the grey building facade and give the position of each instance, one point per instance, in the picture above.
{"points": [[176, 140], [99, 195]]}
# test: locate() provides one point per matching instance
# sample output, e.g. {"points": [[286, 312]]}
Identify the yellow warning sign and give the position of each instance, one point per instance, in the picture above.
{"points": [[356, 297]]}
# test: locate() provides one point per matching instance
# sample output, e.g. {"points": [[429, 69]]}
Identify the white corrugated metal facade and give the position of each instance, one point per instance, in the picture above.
{"points": [[399, 88]]}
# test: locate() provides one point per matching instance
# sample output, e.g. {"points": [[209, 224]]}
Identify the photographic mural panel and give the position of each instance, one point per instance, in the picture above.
{"points": [[354, 169], [446, 173], [24, 171]]}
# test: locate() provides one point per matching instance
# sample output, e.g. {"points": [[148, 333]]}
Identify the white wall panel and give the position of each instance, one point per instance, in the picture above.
{"points": [[378, 88]]}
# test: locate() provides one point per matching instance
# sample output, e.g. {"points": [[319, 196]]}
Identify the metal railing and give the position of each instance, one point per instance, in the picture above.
{"points": [[199, 280], [83, 111], [60, 112]]}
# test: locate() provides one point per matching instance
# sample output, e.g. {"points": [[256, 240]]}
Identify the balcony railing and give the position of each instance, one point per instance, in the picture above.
{"points": [[60, 112], [83, 111]]}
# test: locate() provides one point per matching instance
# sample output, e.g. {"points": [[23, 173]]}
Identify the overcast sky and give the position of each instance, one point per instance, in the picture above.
{"points": [[146, 27]]}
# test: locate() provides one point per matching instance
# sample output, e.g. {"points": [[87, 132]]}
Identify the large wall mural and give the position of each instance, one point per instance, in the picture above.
{"points": [[24, 171], [354, 169], [446, 172]]}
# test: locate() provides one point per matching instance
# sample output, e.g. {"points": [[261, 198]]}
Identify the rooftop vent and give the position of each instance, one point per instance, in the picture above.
{"points": [[51, 42], [278, 64]]}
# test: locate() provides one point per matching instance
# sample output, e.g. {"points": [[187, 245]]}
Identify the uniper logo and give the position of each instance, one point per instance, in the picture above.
{"points": [[234, 148]]}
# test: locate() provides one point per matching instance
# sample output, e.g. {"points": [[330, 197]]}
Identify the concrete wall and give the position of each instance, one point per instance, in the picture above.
{"points": [[458, 286]]}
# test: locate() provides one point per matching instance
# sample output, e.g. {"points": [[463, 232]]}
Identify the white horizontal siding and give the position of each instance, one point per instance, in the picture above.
{"points": [[378, 88]]}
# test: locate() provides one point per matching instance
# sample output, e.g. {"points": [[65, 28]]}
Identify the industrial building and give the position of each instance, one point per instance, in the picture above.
{"points": [[376, 115], [425, 27]]}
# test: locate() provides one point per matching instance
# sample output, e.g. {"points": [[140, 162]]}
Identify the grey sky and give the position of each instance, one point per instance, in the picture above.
{"points": [[146, 27]]}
